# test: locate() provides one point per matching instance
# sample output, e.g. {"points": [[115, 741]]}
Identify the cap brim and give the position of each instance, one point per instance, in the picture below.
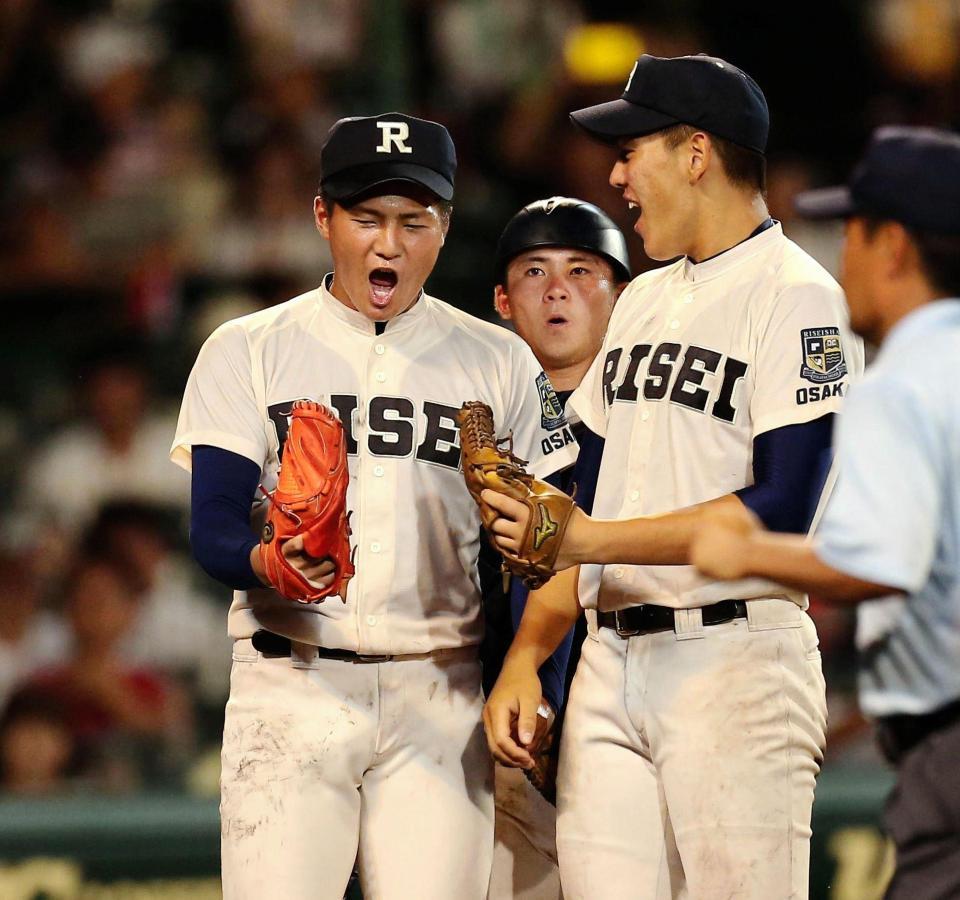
{"points": [[825, 203], [620, 118], [364, 179]]}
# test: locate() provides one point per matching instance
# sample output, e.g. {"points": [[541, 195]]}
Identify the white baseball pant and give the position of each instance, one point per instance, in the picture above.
{"points": [[324, 757], [689, 758], [525, 841]]}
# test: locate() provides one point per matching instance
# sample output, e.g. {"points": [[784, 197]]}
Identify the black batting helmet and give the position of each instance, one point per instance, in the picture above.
{"points": [[563, 222]]}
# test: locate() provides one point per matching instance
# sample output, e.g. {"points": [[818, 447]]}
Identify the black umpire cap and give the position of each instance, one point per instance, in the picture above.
{"points": [[703, 91], [363, 153], [563, 222], [910, 175]]}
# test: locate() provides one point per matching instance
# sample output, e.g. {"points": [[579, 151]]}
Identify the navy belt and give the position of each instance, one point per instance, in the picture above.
{"points": [[648, 618]]}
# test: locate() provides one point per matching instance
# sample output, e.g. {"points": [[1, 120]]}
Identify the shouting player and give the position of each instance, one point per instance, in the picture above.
{"points": [[356, 726], [695, 725], [891, 528], [561, 264]]}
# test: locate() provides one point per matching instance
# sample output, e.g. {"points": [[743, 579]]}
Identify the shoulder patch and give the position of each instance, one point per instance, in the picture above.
{"points": [[822, 355], [552, 415]]}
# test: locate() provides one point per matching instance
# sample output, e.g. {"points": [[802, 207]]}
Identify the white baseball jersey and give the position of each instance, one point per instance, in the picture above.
{"points": [[415, 526], [697, 361]]}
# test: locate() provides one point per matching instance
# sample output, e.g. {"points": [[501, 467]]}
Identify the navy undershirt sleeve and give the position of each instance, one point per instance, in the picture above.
{"points": [[790, 465], [223, 487]]}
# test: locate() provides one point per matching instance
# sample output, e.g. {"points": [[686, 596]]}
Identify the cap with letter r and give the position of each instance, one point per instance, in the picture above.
{"points": [[563, 222], [907, 174], [362, 153], [703, 91]]}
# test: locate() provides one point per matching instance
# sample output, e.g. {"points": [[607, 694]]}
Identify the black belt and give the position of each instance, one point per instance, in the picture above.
{"points": [[647, 618], [897, 735], [270, 644]]}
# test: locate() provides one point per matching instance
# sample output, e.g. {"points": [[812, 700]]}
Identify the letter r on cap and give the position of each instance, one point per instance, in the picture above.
{"points": [[395, 133]]}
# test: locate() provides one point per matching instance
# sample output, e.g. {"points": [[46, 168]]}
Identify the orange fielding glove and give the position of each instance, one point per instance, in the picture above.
{"points": [[310, 499]]}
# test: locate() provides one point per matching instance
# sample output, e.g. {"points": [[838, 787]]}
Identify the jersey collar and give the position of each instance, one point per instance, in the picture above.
{"points": [[730, 259], [928, 319], [359, 322]]}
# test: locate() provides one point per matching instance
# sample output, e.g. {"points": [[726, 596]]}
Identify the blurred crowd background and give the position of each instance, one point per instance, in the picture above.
{"points": [[159, 160]]}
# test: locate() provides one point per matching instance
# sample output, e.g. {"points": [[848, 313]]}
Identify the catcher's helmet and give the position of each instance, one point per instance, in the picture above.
{"points": [[563, 222]]}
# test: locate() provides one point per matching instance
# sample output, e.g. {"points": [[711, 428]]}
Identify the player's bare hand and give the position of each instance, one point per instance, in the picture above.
{"points": [[319, 572], [510, 719], [511, 523], [508, 530], [720, 547]]}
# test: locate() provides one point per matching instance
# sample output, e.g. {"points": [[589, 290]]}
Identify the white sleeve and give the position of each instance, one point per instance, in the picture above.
{"points": [[586, 402], [219, 404], [535, 415], [806, 358]]}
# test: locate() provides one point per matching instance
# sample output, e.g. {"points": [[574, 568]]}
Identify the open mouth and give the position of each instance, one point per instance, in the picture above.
{"points": [[637, 210], [383, 282], [556, 321]]}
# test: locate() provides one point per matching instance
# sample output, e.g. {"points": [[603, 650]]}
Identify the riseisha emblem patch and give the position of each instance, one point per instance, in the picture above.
{"points": [[822, 355], [550, 406]]}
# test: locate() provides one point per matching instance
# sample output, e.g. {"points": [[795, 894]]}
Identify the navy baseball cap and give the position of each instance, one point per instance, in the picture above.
{"points": [[703, 91], [910, 175], [362, 153]]}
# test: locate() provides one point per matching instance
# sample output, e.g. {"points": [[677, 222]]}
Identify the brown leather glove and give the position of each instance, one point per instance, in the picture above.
{"points": [[490, 463]]}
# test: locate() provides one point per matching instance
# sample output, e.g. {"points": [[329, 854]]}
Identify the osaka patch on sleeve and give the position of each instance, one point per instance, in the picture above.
{"points": [[550, 405], [822, 355]]}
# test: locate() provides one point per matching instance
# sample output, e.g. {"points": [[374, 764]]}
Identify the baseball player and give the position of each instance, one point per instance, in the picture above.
{"points": [[355, 726], [891, 527], [561, 264], [695, 725]]}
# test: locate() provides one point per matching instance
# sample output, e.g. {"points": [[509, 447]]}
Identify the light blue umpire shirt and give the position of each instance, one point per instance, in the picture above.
{"points": [[894, 515]]}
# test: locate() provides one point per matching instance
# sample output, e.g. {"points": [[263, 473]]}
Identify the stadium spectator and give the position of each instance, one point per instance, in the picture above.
{"points": [[30, 637], [178, 630], [118, 450], [130, 723], [37, 748]]}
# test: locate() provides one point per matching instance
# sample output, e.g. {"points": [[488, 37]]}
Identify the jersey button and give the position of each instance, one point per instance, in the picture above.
{"points": [[618, 573], [380, 349], [688, 298], [644, 415], [634, 495], [675, 324], [378, 471], [371, 620], [375, 547], [381, 376]]}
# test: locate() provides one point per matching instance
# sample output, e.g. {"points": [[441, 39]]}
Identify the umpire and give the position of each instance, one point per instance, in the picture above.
{"points": [[891, 529]]}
